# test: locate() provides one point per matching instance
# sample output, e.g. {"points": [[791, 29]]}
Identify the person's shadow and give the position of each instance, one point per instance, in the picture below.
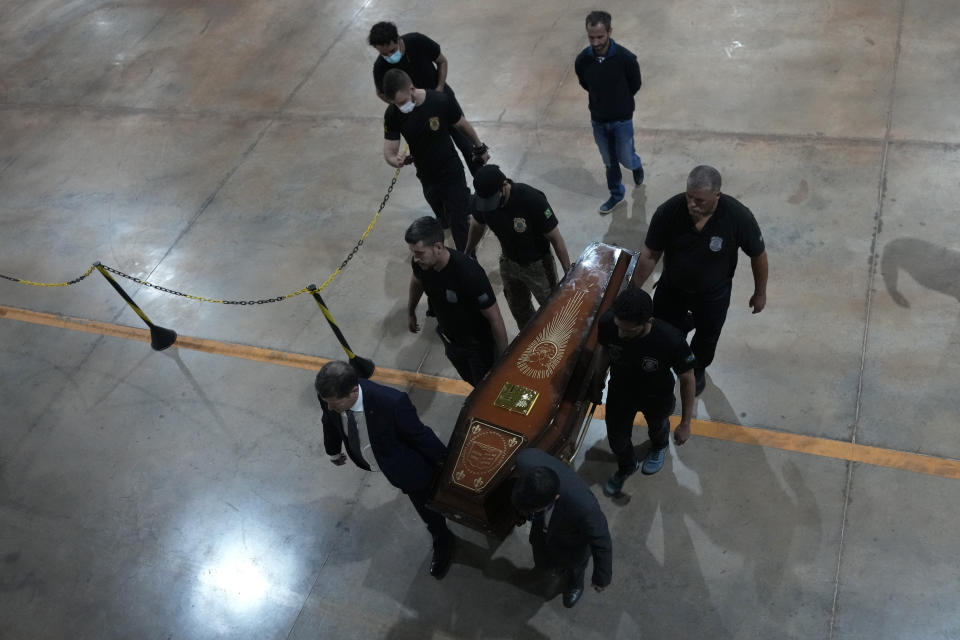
{"points": [[629, 230], [461, 605], [932, 266], [481, 598], [691, 517], [573, 179]]}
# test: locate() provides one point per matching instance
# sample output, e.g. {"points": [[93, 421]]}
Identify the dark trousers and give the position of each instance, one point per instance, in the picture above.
{"points": [[705, 312], [450, 203], [436, 523], [472, 361], [571, 561], [623, 403]]}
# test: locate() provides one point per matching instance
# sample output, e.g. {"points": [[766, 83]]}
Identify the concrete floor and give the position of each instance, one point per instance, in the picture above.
{"points": [[233, 150]]}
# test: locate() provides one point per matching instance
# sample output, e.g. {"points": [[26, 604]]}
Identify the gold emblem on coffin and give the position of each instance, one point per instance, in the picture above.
{"points": [[513, 397], [542, 356], [484, 452]]}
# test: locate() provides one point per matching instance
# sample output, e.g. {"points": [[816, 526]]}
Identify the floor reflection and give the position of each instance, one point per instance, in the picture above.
{"points": [[236, 581], [243, 579]]}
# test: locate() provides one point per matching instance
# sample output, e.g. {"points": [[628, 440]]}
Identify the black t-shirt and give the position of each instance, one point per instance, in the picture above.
{"points": [[419, 52], [457, 294], [520, 225], [427, 130], [701, 261], [644, 363]]}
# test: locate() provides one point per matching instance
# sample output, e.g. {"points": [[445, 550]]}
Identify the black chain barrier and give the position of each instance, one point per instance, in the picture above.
{"points": [[310, 289]]}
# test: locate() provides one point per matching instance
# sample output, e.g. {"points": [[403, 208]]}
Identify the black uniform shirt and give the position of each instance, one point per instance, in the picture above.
{"points": [[701, 261], [520, 225], [426, 130], [457, 294], [644, 363], [419, 52]]}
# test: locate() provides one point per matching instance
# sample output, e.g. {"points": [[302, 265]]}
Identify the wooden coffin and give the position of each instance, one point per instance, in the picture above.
{"points": [[536, 395]]}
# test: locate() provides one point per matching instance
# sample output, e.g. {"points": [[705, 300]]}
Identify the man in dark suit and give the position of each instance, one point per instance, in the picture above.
{"points": [[567, 524], [379, 428]]}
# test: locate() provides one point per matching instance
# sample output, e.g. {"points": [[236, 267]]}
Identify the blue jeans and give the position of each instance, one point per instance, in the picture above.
{"points": [[615, 141]]}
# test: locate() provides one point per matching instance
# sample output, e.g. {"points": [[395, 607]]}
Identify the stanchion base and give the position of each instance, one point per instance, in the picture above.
{"points": [[362, 366], [161, 337]]}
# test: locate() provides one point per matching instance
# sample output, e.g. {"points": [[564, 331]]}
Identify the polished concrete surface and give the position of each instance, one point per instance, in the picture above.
{"points": [[233, 150]]}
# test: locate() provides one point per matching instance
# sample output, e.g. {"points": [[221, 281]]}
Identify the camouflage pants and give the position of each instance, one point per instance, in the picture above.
{"points": [[520, 281]]}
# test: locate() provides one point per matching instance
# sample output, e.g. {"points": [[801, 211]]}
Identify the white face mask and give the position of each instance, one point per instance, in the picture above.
{"points": [[407, 107]]}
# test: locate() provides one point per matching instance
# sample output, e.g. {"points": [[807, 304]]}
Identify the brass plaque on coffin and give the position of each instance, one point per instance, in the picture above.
{"points": [[484, 452], [513, 397]]}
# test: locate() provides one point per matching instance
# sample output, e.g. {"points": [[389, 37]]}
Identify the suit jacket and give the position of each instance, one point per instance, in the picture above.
{"points": [[577, 526], [407, 451]]}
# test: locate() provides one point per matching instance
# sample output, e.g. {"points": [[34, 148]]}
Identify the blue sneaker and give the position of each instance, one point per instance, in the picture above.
{"points": [[610, 205], [653, 462]]}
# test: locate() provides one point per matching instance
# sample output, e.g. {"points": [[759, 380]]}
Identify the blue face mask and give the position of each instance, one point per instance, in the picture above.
{"points": [[394, 58]]}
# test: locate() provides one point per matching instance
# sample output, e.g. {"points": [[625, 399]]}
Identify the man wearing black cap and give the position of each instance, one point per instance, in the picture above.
{"points": [[641, 350], [526, 227], [566, 523]]}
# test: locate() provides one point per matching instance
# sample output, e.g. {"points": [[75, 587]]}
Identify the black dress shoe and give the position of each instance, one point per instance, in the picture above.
{"points": [[442, 557], [572, 596]]}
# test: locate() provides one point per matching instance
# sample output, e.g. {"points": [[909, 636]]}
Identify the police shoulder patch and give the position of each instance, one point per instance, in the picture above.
{"points": [[547, 213]]}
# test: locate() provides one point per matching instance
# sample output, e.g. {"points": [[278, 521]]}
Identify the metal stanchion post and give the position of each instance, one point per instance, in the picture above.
{"points": [[160, 337], [362, 366]]}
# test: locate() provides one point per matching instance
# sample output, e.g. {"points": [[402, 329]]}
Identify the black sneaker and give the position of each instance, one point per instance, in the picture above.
{"points": [[638, 176], [614, 483]]}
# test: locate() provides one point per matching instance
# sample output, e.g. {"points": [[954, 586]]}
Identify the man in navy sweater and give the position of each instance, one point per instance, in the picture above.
{"points": [[611, 75]]}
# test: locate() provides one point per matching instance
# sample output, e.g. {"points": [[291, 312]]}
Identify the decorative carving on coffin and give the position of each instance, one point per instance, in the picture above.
{"points": [[485, 449], [535, 395], [541, 358]]}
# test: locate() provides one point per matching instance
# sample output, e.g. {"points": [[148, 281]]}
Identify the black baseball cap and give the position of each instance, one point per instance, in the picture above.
{"points": [[487, 184]]}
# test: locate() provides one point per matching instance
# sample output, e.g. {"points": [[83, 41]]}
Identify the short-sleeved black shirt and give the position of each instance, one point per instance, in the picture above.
{"points": [[645, 363], [521, 224], [427, 130], [457, 294], [419, 52], [701, 261]]}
